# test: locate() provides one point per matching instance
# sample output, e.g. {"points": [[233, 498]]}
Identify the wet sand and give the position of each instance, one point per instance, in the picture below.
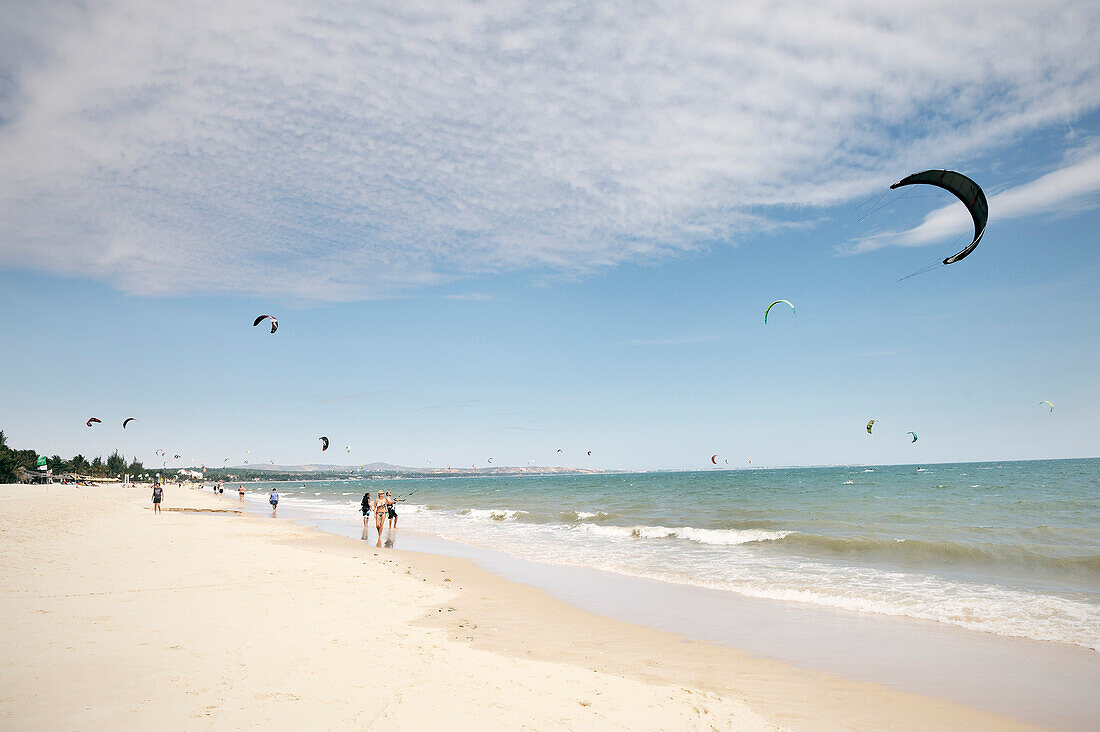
{"points": [[116, 617]]}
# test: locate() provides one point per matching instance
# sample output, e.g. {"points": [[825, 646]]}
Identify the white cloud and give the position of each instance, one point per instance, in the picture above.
{"points": [[1054, 192], [347, 151]]}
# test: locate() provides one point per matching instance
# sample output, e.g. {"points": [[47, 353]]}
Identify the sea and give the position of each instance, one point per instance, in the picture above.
{"points": [[1008, 548]]}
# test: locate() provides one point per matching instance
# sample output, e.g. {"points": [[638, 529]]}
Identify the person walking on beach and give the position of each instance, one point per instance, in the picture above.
{"points": [[158, 493], [240, 492], [380, 511], [273, 499], [365, 508], [391, 510]]}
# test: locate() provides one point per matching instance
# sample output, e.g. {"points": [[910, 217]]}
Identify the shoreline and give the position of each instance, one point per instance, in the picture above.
{"points": [[1040, 682], [325, 619], [533, 473]]}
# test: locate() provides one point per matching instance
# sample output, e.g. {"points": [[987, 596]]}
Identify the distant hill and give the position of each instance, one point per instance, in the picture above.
{"points": [[321, 468], [379, 470]]}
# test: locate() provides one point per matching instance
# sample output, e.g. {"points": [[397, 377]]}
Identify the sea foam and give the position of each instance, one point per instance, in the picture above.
{"points": [[718, 537]]}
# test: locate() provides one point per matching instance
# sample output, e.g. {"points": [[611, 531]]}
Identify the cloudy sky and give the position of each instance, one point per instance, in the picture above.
{"points": [[497, 228]]}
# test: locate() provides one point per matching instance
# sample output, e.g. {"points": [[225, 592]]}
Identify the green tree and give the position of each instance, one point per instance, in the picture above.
{"points": [[116, 464], [26, 459], [80, 464], [7, 461], [97, 468]]}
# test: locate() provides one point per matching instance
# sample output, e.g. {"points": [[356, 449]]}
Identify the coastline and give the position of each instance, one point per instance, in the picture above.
{"points": [[117, 616], [1046, 683]]}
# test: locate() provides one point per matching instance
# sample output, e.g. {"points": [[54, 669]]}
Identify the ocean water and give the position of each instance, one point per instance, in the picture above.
{"points": [[1007, 548]]}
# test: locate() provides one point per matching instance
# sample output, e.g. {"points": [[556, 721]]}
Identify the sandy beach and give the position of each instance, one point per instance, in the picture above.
{"points": [[119, 618], [696, 366]]}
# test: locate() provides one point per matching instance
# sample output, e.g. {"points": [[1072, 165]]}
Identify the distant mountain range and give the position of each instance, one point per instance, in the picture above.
{"points": [[380, 467], [319, 468]]}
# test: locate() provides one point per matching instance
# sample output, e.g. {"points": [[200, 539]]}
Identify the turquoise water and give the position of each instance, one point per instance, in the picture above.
{"points": [[1008, 548]]}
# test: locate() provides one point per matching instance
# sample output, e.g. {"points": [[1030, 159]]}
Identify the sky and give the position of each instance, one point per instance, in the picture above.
{"points": [[503, 229]]}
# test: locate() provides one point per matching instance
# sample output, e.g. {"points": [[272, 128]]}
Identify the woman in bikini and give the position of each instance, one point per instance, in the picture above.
{"points": [[380, 511]]}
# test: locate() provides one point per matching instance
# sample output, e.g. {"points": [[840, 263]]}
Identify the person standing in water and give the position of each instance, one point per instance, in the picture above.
{"points": [[273, 499], [240, 492], [158, 493]]}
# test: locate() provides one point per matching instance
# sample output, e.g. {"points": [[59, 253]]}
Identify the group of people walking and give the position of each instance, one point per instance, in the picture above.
{"points": [[383, 509]]}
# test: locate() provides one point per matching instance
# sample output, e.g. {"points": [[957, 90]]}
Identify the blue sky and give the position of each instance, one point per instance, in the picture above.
{"points": [[495, 231]]}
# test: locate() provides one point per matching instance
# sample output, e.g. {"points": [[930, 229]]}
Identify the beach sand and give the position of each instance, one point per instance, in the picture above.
{"points": [[115, 617]]}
